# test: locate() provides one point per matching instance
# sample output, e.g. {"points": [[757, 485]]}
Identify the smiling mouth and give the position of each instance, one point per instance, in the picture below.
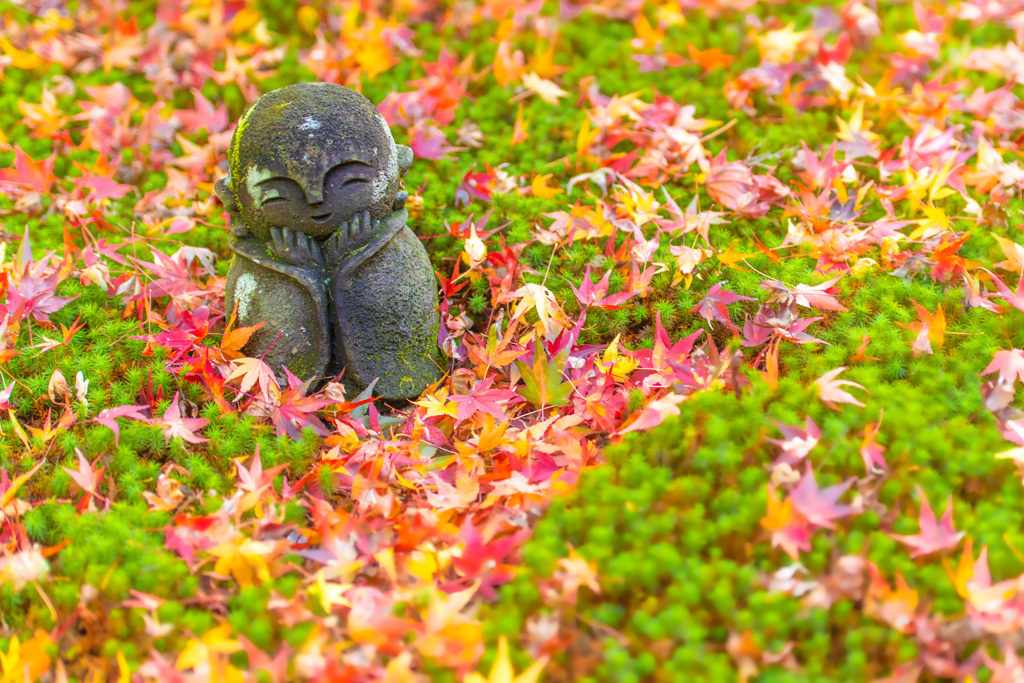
{"points": [[322, 218]]}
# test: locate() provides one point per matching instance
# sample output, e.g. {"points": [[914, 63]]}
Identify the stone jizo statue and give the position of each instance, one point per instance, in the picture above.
{"points": [[323, 254]]}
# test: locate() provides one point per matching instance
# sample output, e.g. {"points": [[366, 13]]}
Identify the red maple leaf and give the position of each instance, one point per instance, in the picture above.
{"points": [[481, 559], [934, 535], [294, 410], [475, 186], [713, 305]]}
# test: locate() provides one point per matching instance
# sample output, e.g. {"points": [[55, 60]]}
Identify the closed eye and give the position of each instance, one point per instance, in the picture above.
{"points": [[275, 200], [346, 174]]}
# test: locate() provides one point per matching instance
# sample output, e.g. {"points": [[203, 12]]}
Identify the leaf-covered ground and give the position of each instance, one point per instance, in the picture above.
{"points": [[732, 299]]}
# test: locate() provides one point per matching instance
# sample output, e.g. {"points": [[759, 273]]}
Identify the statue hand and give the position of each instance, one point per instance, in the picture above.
{"points": [[296, 248], [353, 233]]}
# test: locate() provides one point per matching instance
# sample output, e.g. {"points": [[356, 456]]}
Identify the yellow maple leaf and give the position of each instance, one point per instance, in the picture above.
{"points": [[620, 365], [730, 258], [502, 672], [538, 297], [26, 661], [1014, 255], [855, 125], [539, 187], [437, 403], [641, 206], [213, 645], [23, 61], [585, 137], [935, 221], [45, 119], [329, 594], [374, 57], [244, 559], [544, 89], [779, 512], [783, 45]]}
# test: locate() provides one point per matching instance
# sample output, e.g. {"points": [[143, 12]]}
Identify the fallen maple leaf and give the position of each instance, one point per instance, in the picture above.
{"points": [[713, 305], [106, 417], [655, 412], [1009, 364], [818, 296], [545, 89], [829, 391], [174, 425], [502, 672], [820, 507], [543, 380], [929, 330], [934, 535], [253, 372], [798, 442], [596, 296], [294, 410]]}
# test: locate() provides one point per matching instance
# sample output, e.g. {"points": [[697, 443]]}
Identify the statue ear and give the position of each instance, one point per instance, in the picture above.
{"points": [[226, 195], [405, 157]]}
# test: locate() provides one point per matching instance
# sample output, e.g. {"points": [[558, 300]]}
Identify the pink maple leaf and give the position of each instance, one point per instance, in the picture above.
{"points": [[37, 295], [175, 426], [189, 533], [205, 115], [88, 478], [655, 412], [254, 479], [713, 305], [429, 142], [798, 442], [829, 389], [1009, 365], [818, 296], [483, 399], [1015, 299], [820, 507], [596, 296], [934, 535], [108, 415], [484, 559]]}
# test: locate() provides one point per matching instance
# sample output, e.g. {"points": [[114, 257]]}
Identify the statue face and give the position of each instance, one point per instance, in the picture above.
{"points": [[310, 156], [315, 208]]}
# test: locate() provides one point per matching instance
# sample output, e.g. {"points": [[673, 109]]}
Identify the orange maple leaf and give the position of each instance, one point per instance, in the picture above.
{"points": [[929, 330]]}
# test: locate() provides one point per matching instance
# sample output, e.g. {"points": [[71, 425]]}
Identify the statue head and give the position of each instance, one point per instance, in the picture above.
{"points": [[310, 156]]}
